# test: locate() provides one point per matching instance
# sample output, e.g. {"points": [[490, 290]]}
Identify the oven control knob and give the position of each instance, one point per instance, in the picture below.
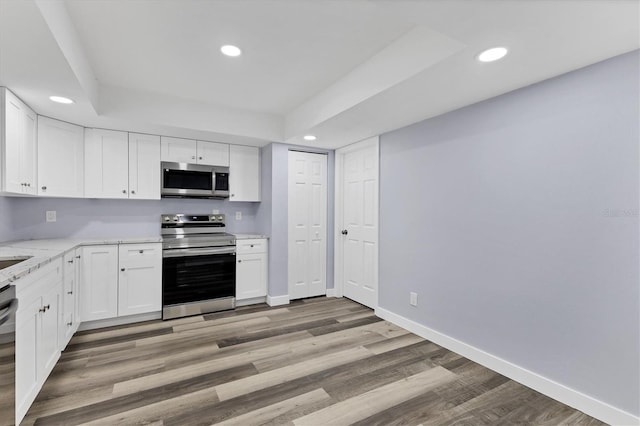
{"points": [[167, 218], [219, 217], [175, 218]]}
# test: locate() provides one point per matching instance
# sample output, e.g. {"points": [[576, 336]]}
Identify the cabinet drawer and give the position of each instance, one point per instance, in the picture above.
{"points": [[251, 246], [140, 253]]}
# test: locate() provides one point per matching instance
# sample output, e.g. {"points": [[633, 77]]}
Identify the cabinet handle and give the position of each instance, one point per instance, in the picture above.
{"points": [[124, 191], [28, 184], [251, 245], [199, 158], [78, 257], [133, 192], [23, 184], [122, 269], [239, 260], [43, 309], [141, 251], [69, 324], [70, 292], [70, 261], [44, 188], [233, 195], [193, 157]]}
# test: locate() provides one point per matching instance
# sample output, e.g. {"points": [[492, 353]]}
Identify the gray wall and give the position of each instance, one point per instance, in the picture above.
{"points": [[276, 215], [24, 218], [516, 222]]}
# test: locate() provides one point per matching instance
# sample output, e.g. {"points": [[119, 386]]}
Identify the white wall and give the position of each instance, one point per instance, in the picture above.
{"points": [[516, 222]]}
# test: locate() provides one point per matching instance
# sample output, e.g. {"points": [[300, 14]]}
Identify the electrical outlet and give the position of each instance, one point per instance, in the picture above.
{"points": [[413, 299], [215, 211], [51, 215], [238, 215]]}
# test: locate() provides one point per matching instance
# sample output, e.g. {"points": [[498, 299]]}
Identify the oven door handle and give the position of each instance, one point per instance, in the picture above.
{"points": [[198, 251]]}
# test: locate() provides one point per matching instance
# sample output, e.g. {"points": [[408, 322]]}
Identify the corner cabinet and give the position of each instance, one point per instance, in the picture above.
{"points": [[244, 173], [251, 268], [37, 331], [60, 158], [18, 124], [120, 280]]}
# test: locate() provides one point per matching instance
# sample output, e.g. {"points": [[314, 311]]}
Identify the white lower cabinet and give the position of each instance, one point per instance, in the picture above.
{"points": [[70, 318], [140, 278], [251, 268], [37, 331], [119, 280], [99, 290]]}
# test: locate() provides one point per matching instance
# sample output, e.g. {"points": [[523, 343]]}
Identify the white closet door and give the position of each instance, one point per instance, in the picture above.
{"points": [[357, 217], [307, 224]]}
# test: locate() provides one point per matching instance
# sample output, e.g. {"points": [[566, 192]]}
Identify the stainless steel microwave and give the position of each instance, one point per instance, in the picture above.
{"points": [[194, 180]]}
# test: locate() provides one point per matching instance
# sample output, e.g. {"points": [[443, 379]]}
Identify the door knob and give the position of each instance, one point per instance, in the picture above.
{"points": [[345, 232]]}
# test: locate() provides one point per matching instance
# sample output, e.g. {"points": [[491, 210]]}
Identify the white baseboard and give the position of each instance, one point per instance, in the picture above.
{"points": [[278, 300], [331, 292], [110, 322], [252, 301], [573, 398]]}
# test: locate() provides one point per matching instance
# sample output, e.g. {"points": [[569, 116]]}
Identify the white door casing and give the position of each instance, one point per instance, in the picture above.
{"points": [[356, 244], [307, 217]]}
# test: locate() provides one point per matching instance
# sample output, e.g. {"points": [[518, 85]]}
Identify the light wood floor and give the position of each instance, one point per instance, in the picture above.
{"points": [[315, 362]]}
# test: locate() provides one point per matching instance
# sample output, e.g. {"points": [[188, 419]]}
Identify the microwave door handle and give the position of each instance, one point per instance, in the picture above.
{"points": [[198, 251]]}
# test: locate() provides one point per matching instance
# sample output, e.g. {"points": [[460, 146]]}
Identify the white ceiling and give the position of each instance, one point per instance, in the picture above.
{"points": [[342, 70]]}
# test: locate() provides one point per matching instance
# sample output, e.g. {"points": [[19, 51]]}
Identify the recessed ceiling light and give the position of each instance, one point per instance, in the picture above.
{"points": [[231, 50], [492, 54], [61, 99], [309, 138]]}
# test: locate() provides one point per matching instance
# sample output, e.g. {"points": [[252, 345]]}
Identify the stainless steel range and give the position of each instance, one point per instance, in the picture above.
{"points": [[198, 265]]}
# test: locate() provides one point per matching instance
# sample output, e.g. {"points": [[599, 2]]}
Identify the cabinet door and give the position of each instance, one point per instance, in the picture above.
{"points": [[99, 291], [140, 281], [213, 153], [20, 146], [49, 348], [27, 330], [28, 156], [177, 150], [244, 173], [106, 164], [251, 276], [68, 324], [144, 166], [60, 158]]}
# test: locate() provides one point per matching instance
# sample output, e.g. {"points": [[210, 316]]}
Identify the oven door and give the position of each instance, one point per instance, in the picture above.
{"points": [[198, 274]]}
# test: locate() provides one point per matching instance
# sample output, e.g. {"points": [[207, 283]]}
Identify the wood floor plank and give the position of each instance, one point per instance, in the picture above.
{"points": [[361, 406], [314, 361], [265, 414]]}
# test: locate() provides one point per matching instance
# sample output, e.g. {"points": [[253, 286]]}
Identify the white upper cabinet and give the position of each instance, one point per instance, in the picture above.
{"points": [[106, 161], [177, 150], [180, 150], [18, 145], [212, 153], [244, 173], [144, 166], [60, 158]]}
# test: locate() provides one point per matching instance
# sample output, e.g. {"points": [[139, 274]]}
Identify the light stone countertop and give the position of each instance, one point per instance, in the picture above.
{"points": [[41, 252]]}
